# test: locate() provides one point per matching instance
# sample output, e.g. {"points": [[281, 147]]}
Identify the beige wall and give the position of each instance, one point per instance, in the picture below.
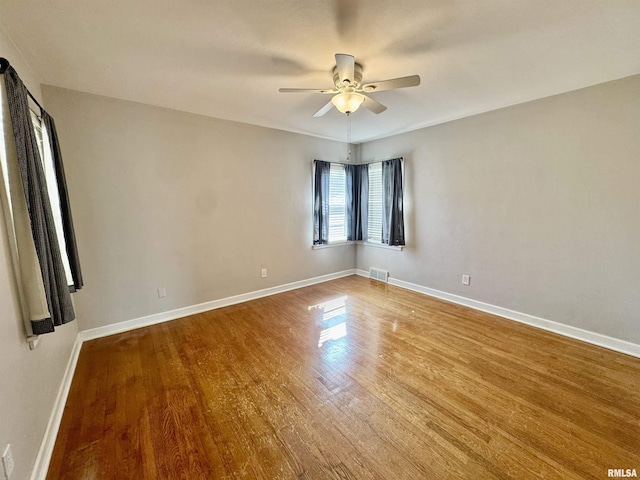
{"points": [[539, 203], [193, 204], [30, 379]]}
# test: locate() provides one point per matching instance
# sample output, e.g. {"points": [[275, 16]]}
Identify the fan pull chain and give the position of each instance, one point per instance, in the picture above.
{"points": [[348, 137]]}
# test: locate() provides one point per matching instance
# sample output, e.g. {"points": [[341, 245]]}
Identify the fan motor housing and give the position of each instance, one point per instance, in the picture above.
{"points": [[357, 77]]}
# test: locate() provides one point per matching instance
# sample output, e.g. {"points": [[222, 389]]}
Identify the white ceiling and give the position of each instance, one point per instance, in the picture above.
{"points": [[227, 59]]}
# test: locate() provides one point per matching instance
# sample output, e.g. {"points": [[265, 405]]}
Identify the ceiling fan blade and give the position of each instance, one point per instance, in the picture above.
{"points": [[323, 110], [402, 82], [370, 104], [345, 66], [306, 90]]}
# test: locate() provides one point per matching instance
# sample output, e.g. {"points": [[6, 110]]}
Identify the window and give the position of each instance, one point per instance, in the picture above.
{"points": [[37, 127], [38, 216], [358, 203], [374, 212], [337, 203], [44, 147]]}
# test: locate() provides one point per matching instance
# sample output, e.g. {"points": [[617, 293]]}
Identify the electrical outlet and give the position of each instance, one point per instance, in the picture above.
{"points": [[466, 280], [162, 292], [263, 273], [7, 462]]}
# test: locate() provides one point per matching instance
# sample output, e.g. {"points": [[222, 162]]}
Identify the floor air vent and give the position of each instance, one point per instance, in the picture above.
{"points": [[377, 274]]}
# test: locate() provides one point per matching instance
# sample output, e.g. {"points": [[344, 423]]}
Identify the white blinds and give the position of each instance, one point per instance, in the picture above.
{"points": [[337, 204], [374, 218]]}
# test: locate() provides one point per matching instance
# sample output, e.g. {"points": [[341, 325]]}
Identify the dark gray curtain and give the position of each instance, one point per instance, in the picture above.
{"points": [[321, 202], [65, 207], [357, 201], [39, 208], [364, 202], [392, 208]]}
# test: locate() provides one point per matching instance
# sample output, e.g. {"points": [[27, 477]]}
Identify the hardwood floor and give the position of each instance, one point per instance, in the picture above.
{"points": [[349, 379]]}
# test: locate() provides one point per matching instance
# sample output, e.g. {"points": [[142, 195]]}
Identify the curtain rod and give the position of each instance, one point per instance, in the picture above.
{"points": [[4, 64], [363, 163]]}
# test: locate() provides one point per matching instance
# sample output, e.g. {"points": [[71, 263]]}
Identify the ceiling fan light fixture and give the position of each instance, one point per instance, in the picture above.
{"points": [[349, 92], [347, 102]]}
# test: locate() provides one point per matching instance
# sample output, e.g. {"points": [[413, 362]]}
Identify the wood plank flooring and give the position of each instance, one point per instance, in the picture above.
{"points": [[349, 379]]}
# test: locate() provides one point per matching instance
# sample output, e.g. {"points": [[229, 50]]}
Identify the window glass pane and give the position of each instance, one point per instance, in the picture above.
{"points": [[337, 204], [52, 190], [37, 127], [374, 220], [5, 128]]}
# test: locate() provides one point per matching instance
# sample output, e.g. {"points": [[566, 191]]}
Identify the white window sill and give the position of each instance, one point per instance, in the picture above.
{"points": [[331, 245], [382, 245], [368, 244]]}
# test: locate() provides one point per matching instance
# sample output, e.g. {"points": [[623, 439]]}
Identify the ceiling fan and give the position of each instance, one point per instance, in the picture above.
{"points": [[349, 91]]}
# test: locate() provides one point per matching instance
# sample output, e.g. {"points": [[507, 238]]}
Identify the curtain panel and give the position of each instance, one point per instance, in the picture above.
{"points": [[321, 202], [38, 207], [357, 199], [65, 207], [392, 211], [26, 267]]}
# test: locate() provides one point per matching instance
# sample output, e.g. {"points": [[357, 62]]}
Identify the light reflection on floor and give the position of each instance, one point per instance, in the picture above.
{"points": [[333, 333], [333, 323]]}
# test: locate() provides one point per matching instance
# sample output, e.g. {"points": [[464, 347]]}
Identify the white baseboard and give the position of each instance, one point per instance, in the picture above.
{"points": [[45, 451], [605, 341], [203, 307]]}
